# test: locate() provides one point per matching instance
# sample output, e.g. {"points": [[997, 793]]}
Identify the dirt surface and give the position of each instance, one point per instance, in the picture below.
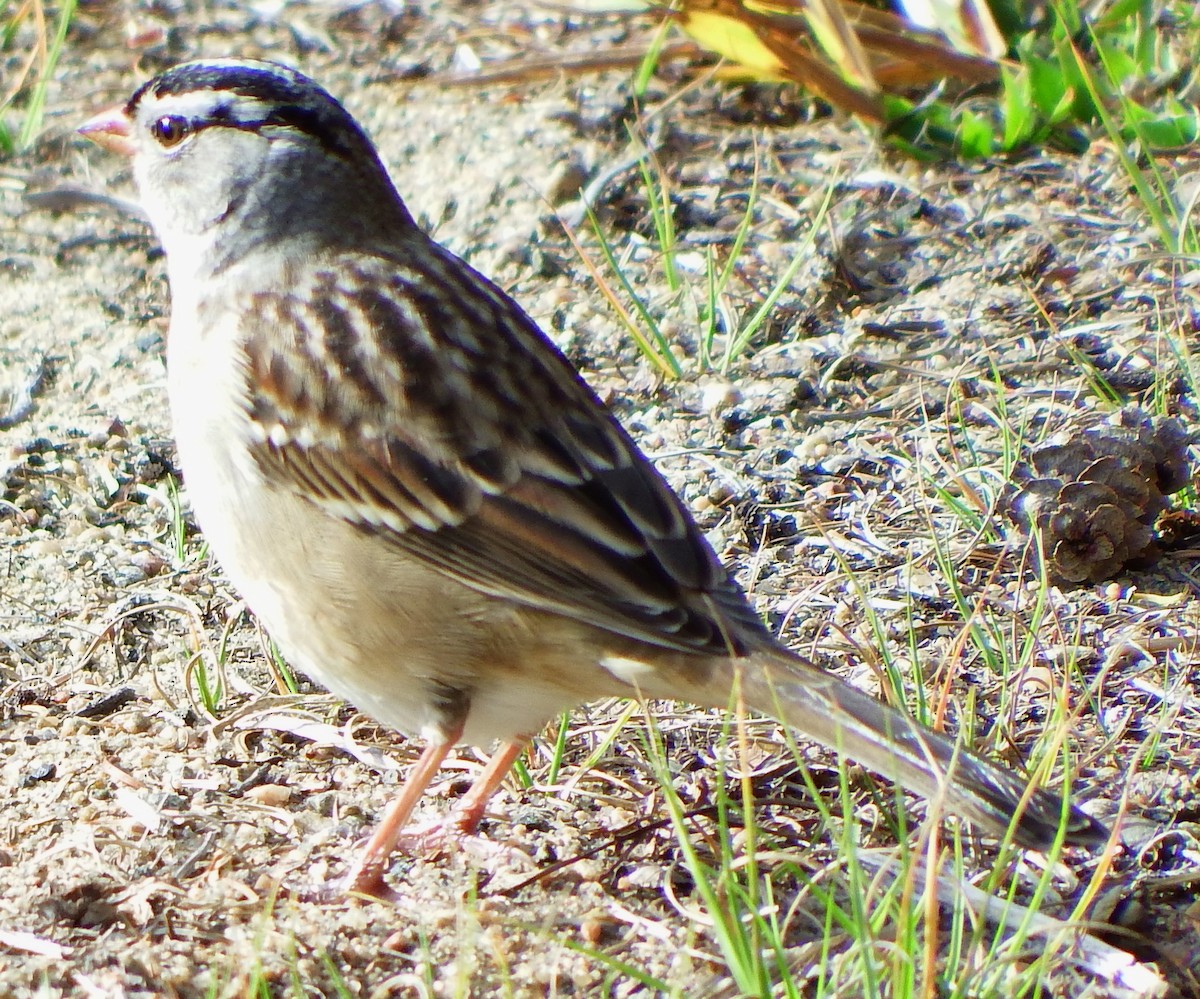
{"points": [[940, 319]]}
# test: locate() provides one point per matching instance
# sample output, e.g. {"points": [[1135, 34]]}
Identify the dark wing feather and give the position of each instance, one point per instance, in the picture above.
{"points": [[460, 434]]}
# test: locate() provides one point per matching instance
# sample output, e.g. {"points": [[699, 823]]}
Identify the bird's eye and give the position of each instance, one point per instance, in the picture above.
{"points": [[170, 130]]}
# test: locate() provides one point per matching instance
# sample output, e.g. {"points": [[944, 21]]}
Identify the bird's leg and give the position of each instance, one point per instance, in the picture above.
{"points": [[391, 835], [366, 876], [469, 811], [464, 818]]}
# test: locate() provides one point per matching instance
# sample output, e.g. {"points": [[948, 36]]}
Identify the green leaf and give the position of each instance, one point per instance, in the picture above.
{"points": [[1119, 64], [1048, 87], [1175, 130], [976, 135], [1018, 107], [1121, 10]]}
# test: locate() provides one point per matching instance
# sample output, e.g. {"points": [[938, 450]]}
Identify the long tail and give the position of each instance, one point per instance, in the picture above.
{"points": [[831, 712]]}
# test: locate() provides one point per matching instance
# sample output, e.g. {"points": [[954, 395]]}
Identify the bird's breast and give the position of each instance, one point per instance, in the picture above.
{"points": [[373, 624]]}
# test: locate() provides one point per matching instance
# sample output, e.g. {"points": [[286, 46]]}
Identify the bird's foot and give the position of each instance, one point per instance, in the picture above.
{"points": [[441, 837]]}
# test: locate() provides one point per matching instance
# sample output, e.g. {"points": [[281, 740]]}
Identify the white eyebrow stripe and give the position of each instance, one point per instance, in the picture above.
{"points": [[244, 110], [214, 106]]}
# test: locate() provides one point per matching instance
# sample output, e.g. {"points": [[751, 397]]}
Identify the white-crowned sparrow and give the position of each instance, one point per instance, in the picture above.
{"points": [[417, 494]]}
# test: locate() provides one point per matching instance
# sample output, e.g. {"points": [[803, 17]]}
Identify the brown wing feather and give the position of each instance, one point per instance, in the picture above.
{"points": [[502, 469]]}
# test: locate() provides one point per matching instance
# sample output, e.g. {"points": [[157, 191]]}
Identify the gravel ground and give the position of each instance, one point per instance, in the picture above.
{"points": [[153, 844]]}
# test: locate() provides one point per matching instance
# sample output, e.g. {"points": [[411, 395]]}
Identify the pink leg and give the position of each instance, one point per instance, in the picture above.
{"points": [[463, 819], [470, 809], [366, 876]]}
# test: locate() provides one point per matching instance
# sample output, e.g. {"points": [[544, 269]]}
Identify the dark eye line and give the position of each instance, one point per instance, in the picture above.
{"points": [[292, 117], [313, 124]]}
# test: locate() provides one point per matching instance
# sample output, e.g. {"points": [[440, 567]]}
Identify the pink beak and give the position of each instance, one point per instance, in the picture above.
{"points": [[111, 130]]}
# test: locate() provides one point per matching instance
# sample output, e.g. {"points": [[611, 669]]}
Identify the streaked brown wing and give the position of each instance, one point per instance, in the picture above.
{"points": [[458, 432]]}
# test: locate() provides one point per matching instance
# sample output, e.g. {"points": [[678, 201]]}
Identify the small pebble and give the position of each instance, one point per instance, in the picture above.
{"points": [[591, 930], [274, 795], [150, 563], [135, 722], [719, 395]]}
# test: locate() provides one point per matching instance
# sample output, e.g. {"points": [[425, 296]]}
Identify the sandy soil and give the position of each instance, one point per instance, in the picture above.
{"points": [[152, 846]]}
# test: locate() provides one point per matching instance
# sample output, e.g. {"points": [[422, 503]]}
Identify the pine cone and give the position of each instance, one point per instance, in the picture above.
{"points": [[1096, 494]]}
